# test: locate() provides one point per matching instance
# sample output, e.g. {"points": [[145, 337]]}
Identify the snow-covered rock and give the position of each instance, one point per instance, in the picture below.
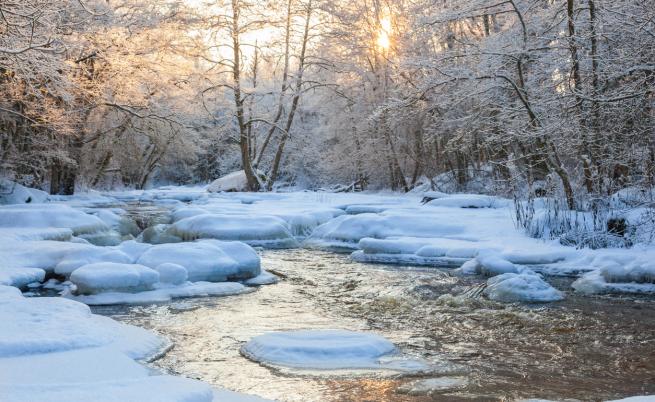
{"points": [[206, 260], [524, 287], [14, 193], [264, 231], [50, 216], [235, 181], [319, 349], [347, 230], [110, 276], [57, 257], [19, 276], [174, 274]]}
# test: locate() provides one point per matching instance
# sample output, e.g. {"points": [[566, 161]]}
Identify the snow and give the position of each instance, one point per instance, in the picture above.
{"points": [[111, 276], [319, 349], [235, 181], [206, 260], [521, 287], [263, 231], [644, 398]]}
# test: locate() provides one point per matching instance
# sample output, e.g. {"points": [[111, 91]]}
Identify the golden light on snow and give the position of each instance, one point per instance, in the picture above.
{"points": [[384, 35]]}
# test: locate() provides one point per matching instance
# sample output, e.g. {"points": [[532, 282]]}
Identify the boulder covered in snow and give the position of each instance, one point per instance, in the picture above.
{"points": [[206, 260], [109, 276], [235, 181], [264, 231], [174, 274], [14, 193], [524, 287], [50, 216]]}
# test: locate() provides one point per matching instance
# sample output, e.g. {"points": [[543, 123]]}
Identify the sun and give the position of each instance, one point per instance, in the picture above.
{"points": [[384, 34]]}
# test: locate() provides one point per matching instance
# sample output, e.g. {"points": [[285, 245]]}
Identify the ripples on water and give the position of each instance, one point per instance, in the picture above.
{"points": [[585, 348]]}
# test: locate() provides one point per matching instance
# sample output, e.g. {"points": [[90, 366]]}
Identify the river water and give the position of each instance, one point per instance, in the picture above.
{"points": [[587, 348]]}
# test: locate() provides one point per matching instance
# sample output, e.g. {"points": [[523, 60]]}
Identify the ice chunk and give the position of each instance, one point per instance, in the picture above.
{"points": [[264, 231], [206, 260], [524, 287], [319, 349], [108, 276], [174, 274]]}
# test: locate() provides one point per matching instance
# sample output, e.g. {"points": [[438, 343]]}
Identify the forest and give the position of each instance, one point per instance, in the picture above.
{"points": [[511, 97]]}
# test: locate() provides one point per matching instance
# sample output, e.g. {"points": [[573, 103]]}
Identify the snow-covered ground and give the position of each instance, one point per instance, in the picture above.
{"points": [[88, 249]]}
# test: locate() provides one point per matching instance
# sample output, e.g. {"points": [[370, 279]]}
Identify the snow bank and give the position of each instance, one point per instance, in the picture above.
{"points": [[324, 349], [206, 260], [110, 276], [264, 231], [469, 201], [521, 287], [50, 324]]}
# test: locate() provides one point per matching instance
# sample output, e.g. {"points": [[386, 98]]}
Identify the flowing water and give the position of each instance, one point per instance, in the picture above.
{"points": [[587, 348]]}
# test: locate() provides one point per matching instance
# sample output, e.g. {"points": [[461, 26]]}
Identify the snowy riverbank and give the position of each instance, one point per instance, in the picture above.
{"points": [[89, 249]]}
